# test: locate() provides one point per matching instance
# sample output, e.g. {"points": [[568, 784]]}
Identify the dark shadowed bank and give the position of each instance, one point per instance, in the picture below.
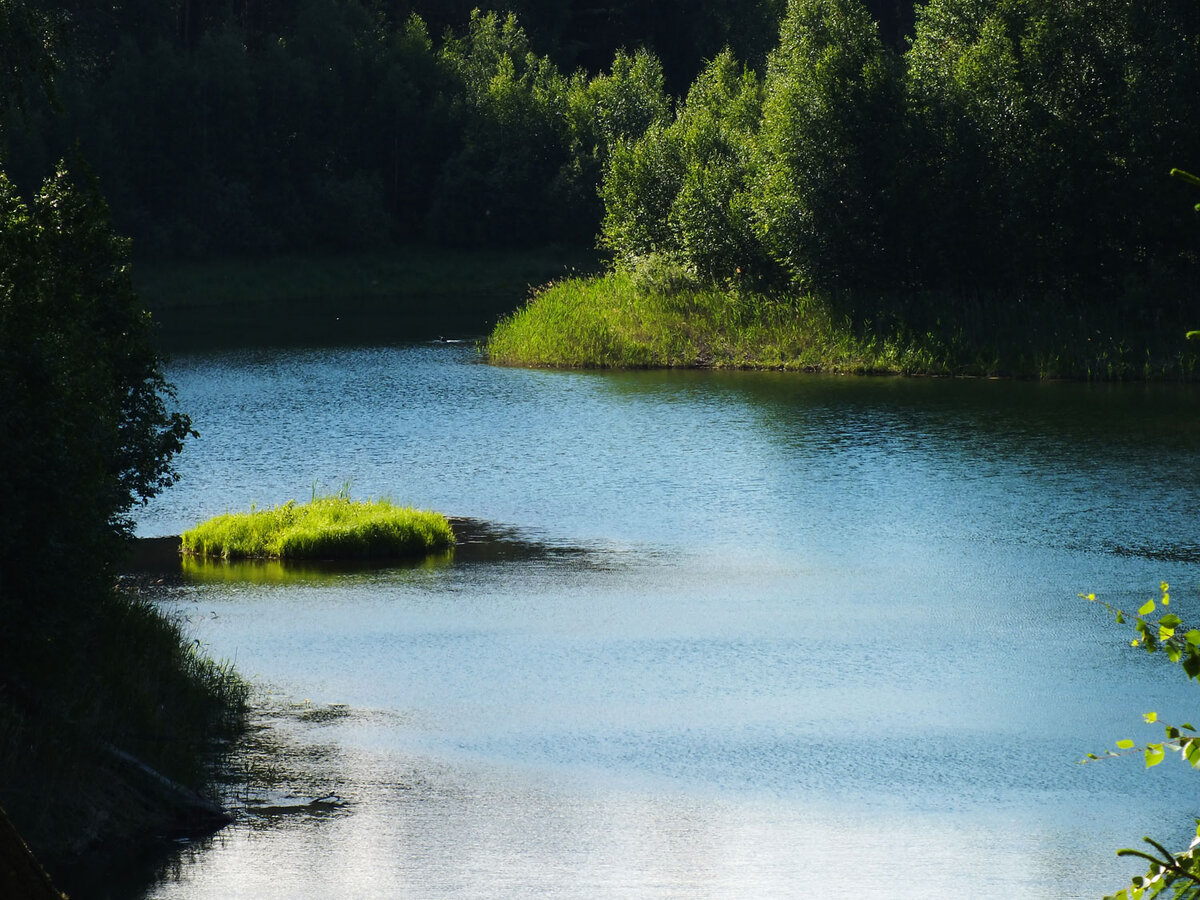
{"points": [[107, 751], [20, 874], [110, 717]]}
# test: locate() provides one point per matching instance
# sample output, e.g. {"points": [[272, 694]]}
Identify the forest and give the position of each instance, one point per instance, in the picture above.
{"points": [[1014, 150]]}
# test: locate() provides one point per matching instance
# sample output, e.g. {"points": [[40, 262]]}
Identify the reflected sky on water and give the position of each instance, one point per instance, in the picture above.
{"points": [[801, 636]]}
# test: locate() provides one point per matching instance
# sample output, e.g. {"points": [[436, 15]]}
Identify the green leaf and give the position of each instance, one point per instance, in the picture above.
{"points": [[1125, 745], [1193, 637], [1170, 620], [1154, 755], [1191, 665], [1192, 754], [1147, 608], [1150, 717]]}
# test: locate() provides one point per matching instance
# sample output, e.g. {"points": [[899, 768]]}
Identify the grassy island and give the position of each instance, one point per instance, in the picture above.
{"points": [[326, 528]]}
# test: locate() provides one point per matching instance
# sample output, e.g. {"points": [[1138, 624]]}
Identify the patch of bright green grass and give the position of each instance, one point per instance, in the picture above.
{"points": [[611, 322], [327, 528], [618, 320]]}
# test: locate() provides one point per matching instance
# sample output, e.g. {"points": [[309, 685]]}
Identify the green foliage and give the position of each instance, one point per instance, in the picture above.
{"points": [[345, 128], [1165, 634], [623, 104], [783, 180], [332, 527], [1042, 129], [28, 54], [87, 674], [711, 220], [640, 185], [1013, 152], [658, 274], [682, 33], [85, 435], [511, 180], [86, 431], [829, 145], [681, 190]]}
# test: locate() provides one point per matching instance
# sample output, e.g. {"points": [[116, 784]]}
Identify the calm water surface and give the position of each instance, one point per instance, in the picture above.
{"points": [[786, 636]]}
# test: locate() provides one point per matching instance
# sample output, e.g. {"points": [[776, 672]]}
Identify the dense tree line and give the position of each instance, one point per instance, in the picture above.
{"points": [[258, 125], [1017, 145], [963, 145]]}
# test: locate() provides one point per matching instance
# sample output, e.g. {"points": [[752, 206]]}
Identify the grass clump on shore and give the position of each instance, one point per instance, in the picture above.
{"points": [[326, 528]]}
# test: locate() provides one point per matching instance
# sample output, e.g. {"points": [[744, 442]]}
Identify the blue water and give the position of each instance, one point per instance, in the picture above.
{"points": [[793, 636]]}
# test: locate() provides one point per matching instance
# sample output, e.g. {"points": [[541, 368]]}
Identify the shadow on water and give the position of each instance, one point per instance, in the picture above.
{"points": [[1170, 553], [280, 773], [476, 542]]}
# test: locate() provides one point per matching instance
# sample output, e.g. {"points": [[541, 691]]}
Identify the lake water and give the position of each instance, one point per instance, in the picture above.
{"points": [[759, 635]]}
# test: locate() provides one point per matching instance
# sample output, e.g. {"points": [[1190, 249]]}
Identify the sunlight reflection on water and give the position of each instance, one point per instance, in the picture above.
{"points": [[804, 637]]}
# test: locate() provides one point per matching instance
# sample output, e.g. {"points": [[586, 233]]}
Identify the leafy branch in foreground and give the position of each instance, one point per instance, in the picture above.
{"points": [[1180, 872], [1165, 633]]}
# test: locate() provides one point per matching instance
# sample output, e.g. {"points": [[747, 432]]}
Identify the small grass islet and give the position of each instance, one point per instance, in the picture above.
{"points": [[326, 528]]}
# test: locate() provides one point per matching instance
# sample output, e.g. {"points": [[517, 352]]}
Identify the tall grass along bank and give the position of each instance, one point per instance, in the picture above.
{"points": [[326, 528], [110, 721], [629, 320], [613, 321]]}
